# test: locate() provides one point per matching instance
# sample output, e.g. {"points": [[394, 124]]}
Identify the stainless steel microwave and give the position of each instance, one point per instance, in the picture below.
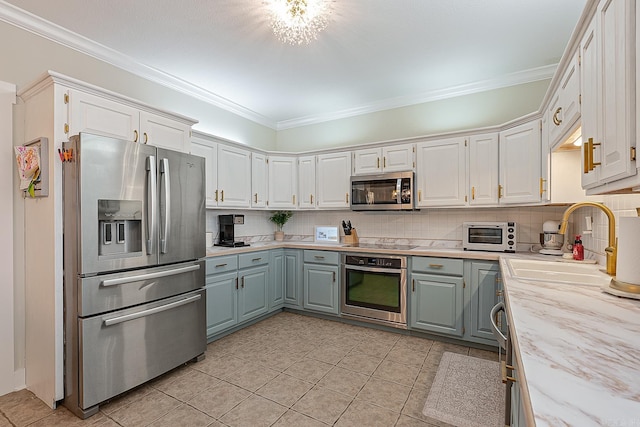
{"points": [[489, 236], [384, 192]]}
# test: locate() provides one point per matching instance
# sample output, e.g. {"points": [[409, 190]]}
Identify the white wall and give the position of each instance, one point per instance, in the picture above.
{"points": [[474, 111], [7, 365]]}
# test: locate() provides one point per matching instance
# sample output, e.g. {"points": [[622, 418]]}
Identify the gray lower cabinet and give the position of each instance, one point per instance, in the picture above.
{"points": [[286, 279], [485, 289], [321, 284], [437, 301], [237, 289]]}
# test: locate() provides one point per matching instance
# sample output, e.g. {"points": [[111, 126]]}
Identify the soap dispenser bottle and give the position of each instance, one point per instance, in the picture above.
{"points": [[578, 249]]}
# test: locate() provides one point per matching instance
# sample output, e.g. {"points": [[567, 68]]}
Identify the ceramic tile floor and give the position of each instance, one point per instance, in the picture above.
{"points": [[288, 370]]}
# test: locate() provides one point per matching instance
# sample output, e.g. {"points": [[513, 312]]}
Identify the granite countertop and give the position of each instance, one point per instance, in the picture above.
{"points": [[578, 352]]}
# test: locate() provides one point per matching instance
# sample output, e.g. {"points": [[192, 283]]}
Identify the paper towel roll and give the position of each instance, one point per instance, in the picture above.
{"points": [[628, 268]]}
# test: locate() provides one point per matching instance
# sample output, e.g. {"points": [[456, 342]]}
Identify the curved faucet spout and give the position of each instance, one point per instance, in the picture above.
{"points": [[611, 250]]}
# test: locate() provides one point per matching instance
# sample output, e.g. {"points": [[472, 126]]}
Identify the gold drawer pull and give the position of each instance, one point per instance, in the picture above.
{"points": [[436, 265], [221, 265], [318, 257], [256, 259], [503, 369], [499, 293]]}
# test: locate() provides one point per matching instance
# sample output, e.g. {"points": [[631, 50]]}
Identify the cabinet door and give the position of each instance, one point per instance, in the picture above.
{"points": [[293, 278], [307, 182], [437, 303], [258, 180], [483, 169], [564, 108], [398, 158], [367, 161], [441, 173], [589, 120], [208, 150], [520, 176], [485, 278], [100, 116], [253, 297], [222, 302], [234, 177], [164, 132], [282, 182], [277, 279], [615, 22], [334, 173], [321, 288]]}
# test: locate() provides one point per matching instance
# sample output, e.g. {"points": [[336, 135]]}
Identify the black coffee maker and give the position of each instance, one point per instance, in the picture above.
{"points": [[227, 225]]}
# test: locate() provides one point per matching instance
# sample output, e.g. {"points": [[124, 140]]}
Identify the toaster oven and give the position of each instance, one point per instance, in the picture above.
{"points": [[489, 236]]}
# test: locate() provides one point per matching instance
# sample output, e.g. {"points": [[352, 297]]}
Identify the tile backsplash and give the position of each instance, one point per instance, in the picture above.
{"points": [[427, 224]]}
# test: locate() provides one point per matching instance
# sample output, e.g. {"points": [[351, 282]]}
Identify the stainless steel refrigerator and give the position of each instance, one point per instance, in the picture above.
{"points": [[134, 243]]}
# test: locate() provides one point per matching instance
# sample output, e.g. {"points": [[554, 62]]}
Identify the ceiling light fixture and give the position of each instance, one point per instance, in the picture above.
{"points": [[298, 22]]}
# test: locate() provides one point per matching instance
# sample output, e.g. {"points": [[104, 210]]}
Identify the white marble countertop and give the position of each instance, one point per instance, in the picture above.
{"points": [[578, 352]]}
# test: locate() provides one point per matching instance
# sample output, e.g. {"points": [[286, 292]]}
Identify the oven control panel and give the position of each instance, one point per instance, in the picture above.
{"points": [[372, 261]]}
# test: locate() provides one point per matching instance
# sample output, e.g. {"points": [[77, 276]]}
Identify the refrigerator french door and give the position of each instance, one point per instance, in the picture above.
{"points": [[134, 239]]}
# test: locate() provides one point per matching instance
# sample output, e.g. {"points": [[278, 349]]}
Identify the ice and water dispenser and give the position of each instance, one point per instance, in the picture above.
{"points": [[119, 227]]}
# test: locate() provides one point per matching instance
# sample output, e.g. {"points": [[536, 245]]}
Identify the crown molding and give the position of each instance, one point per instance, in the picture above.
{"points": [[513, 79], [43, 28]]}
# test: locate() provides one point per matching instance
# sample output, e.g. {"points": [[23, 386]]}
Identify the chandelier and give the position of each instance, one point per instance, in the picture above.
{"points": [[298, 22]]}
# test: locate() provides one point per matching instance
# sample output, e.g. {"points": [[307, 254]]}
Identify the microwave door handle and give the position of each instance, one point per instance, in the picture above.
{"points": [[166, 227], [151, 203], [399, 190]]}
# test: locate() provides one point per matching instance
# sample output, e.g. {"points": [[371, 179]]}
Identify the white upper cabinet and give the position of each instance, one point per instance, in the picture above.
{"points": [[259, 179], [483, 169], [283, 182], [441, 173], [520, 175], [104, 116], [333, 172], [234, 177], [307, 182], [393, 158], [208, 150], [589, 116], [564, 109]]}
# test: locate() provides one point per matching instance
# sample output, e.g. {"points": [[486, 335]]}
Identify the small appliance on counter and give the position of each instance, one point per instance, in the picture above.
{"points": [[227, 225], [489, 236], [551, 239]]}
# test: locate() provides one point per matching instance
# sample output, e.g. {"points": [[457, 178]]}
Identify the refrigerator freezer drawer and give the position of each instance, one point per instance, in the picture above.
{"points": [[99, 294], [121, 350]]}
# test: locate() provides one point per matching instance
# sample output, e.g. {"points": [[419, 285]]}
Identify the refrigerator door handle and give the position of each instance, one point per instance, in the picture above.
{"points": [[144, 313], [151, 202], [148, 276], [164, 170]]}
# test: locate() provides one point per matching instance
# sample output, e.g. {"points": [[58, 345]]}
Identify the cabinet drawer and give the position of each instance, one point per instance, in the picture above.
{"points": [[252, 259], [321, 257], [449, 266], [222, 264]]}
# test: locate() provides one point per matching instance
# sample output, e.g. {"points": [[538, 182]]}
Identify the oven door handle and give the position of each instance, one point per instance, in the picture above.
{"points": [[144, 313], [497, 333], [373, 269], [148, 276]]}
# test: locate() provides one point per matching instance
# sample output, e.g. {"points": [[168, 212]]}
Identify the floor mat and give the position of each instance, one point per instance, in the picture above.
{"points": [[466, 392]]}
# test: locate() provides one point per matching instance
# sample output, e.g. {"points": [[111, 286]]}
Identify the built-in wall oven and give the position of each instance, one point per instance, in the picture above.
{"points": [[374, 289]]}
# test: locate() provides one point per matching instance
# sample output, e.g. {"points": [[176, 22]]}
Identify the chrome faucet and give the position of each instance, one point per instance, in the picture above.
{"points": [[612, 249]]}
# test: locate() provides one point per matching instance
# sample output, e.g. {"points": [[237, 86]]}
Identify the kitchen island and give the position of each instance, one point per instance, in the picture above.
{"points": [[577, 351]]}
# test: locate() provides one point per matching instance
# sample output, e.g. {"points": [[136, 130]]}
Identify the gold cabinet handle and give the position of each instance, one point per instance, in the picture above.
{"points": [[556, 120], [222, 195], [503, 369], [242, 285], [542, 190], [384, 162], [334, 276], [293, 199], [499, 293], [585, 157], [378, 162], [436, 265], [146, 137], [318, 257], [592, 147], [499, 191], [216, 196], [473, 193], [221, 265], [256, 198], [413, 285], [311, 199], [346, 195], [256, 259], [135, 136], [236, 283], [419, 195]]}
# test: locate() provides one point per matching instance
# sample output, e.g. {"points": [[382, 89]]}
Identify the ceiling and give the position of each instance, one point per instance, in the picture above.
{"points": [[373, 55]]}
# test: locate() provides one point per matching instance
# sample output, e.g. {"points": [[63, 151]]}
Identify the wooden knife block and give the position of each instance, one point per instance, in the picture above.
{"points": [[351, 238]]}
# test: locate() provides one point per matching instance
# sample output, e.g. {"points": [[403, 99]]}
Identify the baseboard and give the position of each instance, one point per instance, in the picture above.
{"points": [[19, 379]]}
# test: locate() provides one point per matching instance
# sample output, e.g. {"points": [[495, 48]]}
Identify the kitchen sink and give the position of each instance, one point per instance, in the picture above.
{"points": [[553, 271]]}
